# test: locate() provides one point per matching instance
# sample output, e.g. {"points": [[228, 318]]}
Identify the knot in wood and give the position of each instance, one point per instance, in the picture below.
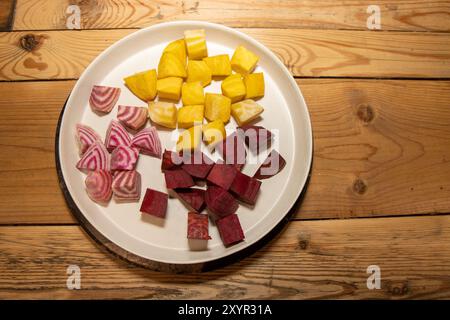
{"points": [[365, 113], [359, 186], [29, 42]]}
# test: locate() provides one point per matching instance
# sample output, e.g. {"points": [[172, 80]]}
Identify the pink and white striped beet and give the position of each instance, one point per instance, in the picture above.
{"points": [[103, 98], [126, 186], [86, 136], [116, 135], [124, 158], [147, 141], [132, 117], [99, 186], [95, 158]]}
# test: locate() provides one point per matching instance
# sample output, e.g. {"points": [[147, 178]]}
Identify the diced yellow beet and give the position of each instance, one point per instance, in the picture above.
{"points": [[170, 66], [192, 93], [178, 48], [233, 87], [254, 85], [217, 107], [214, 132], [196, 44], [243, 61], [142, 84], [198, 70], [169, 88], [163, 113], [245, 111], [190, 139], [220, 65], [189, 116]]}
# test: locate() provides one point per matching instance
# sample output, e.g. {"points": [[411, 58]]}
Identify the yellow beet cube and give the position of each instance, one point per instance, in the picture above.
{"points": [[190, 139], [192, 93], [198, 70], [178, 48], [243, 61], [233, 87], [245, 111], [189, 116], [170, 66], [217, 107], [142, 84], [220, 65], [163, 113], [196, 44], [254, 85], [214, 132], [169, 88]]}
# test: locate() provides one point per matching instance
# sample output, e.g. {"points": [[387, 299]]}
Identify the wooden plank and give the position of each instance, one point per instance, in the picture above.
{"points": [[380, 148], [307, 53], [308, 260], [431, 15], [6, 14]]}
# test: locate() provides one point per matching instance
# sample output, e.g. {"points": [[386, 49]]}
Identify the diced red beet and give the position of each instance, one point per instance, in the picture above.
{"points": [[178, 178], [195, 198], [256, 138], [222, 175], [170, 160], [197, 226], [197, 164], [245, 188], [232, 150], [155, 203], [220, 201], [273, 164], [230, 229]]}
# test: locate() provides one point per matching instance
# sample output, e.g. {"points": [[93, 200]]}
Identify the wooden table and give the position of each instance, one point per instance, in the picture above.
{"points": [[379, 192]]}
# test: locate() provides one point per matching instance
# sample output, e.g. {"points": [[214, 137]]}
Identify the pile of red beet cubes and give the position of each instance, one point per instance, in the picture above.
{"points": [[226, 185]]}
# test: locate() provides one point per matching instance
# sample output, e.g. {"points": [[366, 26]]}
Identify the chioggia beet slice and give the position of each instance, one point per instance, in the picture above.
{"points": [[147, 141], [194, 198], [178, 178], [245, 188], [98, 186], [155, 203], [124, 158], [170, 160], [95, 158], [220, 202], [232, 150], [197, 226], [256, 138], [116, 135], [230, 229], [222, 175], [126, 186], [273, 164], [86, 136], [197, 164], [103, 98], [132, 117]]}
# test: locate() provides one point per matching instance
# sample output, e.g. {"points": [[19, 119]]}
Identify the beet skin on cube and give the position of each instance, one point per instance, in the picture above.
{"points": [[197, 226]]}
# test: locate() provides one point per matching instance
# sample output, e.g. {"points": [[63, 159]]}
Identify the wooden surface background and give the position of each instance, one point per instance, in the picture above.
{"points": [[379, 192]]}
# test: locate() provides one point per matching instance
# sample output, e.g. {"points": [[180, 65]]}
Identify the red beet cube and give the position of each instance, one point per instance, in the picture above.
{"points": [[273, 164], [195, 198], [256, 138], [232, 150], [178, 178], [197, 164], [245, 188], [220, 202], [230, 229], [197, 226], [155, 203], [222, 175], [170, 160]]}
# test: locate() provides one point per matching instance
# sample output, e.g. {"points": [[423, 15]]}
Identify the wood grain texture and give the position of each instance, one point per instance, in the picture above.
{"points": [[307, 53], [309, 260], [430, 15], [380, 148], [6, 14]]}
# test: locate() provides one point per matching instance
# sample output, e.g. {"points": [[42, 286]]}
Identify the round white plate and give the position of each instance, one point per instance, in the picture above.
{"points": [[165, 241]]}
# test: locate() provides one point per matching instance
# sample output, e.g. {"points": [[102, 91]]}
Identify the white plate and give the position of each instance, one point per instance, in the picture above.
{"points": [[123, 224]]}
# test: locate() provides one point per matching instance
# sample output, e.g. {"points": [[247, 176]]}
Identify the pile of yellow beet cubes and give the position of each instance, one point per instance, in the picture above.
{"points": [[183, 71]]}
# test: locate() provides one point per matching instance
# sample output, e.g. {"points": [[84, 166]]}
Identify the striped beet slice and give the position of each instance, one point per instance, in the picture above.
{"points": [[126, 186], [95, 158], [116, 135], [132, 117], [197, 226], [98, 186], [147, 141], [124, 158], [103, 98], [273, 164], [86, 136]]}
